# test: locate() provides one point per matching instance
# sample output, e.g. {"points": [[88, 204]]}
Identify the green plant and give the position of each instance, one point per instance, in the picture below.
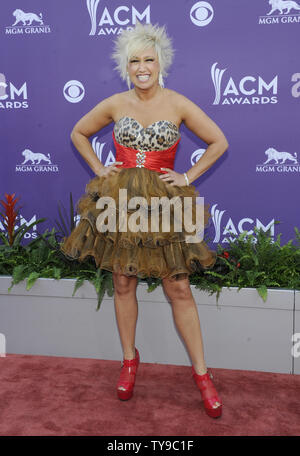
{"points": [[249, 260], [66, 222], [256, 261], [42, 258], [12, 236]]}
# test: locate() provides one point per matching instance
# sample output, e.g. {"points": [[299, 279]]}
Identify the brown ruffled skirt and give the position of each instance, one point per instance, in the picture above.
{"points": [[152, 251]]}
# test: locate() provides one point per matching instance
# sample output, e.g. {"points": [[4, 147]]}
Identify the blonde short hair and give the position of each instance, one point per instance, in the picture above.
{"points": [[138, 39]]}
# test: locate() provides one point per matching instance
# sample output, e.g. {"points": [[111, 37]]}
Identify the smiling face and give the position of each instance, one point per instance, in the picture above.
{"points": [[143, 68]]}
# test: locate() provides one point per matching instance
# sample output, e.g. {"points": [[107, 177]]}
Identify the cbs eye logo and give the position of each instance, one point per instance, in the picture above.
{"points": [[196, 155], [74, 91], [201, 14]]}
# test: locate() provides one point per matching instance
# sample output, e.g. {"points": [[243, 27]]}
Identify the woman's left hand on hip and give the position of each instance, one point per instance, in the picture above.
{"points": [[172, 177]]}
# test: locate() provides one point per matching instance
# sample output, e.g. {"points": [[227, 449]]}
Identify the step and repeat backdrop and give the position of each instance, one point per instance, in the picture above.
{"points": [[238, 60]]}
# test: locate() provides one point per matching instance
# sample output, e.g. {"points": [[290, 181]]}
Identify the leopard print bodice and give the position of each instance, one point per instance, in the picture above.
{"points": [[158, 136]]}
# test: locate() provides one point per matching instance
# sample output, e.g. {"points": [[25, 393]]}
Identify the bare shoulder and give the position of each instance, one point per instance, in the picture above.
{"points": [[109, 106], [110, 103], [117, 103], [99, 116], [196, 119], [183, 105], [173, 96], [119, 97]]}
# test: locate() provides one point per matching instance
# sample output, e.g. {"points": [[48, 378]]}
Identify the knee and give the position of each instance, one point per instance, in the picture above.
{"points": [[178, 290], [124, 285]]}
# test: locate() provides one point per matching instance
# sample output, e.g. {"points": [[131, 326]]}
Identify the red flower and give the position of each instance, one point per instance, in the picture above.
{"points": [[226, 255], [238, 265], [9, 215]]}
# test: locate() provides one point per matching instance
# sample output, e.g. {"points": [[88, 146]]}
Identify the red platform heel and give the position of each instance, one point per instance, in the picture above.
{"points": [[127, 378], [212, 402]]}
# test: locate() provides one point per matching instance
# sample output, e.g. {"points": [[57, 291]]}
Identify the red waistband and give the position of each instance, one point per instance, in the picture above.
{"points": [[153, 160]]}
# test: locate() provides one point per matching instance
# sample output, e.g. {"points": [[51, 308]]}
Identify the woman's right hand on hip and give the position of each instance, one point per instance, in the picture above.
{"points": [[106, 170]]}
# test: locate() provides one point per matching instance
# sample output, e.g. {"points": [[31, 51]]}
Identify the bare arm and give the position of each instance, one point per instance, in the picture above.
{"points": [[207, 130], [93, 121]]}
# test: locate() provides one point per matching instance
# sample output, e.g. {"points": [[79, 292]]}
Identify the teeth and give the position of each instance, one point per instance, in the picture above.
{"points": [[143, 78]]}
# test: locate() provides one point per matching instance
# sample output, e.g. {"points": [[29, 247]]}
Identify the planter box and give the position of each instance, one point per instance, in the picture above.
{"points": [[297, 331], [240, 332]]}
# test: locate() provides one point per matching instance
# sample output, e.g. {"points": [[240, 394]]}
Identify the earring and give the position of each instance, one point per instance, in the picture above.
{"points": [[128, 81], [160, 80]]}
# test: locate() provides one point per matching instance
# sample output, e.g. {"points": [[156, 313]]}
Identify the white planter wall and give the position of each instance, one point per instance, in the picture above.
{"points": [[241, 332], [297, 331]]}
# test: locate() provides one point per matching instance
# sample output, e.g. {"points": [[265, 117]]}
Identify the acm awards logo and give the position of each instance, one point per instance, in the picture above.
{"points": [[36, 162], [12, 97], [112, 21], [281, 12], [21, 220], [27, 23], [226, 229], [98, 148], [249, 90]]}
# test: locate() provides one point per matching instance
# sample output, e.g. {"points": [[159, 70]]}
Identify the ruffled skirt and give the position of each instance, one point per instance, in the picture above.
{"points": [[128, 238]]}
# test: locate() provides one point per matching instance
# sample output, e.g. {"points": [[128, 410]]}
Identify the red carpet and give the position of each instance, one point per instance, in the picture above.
{"points": [[45, 395]]}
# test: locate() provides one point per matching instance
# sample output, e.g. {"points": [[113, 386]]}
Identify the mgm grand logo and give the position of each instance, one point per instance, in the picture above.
{"points": [[279, 162], [27, 23], [281, 12], [36, 162]]}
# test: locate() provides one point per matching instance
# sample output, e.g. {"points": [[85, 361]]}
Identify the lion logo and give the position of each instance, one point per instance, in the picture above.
{"points": [[273, 154], [33, 157], [24, 17], [282, 5]]}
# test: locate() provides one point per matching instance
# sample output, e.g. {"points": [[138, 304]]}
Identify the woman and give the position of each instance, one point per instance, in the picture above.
{"points": [[146, 134]]}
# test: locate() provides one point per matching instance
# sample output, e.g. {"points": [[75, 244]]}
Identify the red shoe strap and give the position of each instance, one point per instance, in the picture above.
{"points": [[207, 388], [129, 362], [127, 375]]}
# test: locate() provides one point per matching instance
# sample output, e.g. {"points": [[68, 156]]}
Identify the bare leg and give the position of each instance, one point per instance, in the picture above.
{"points": [[126, 308], [187, 320]]}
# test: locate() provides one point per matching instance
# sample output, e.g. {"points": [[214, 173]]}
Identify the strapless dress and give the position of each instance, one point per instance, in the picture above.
{"points": [[153, 250]]}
